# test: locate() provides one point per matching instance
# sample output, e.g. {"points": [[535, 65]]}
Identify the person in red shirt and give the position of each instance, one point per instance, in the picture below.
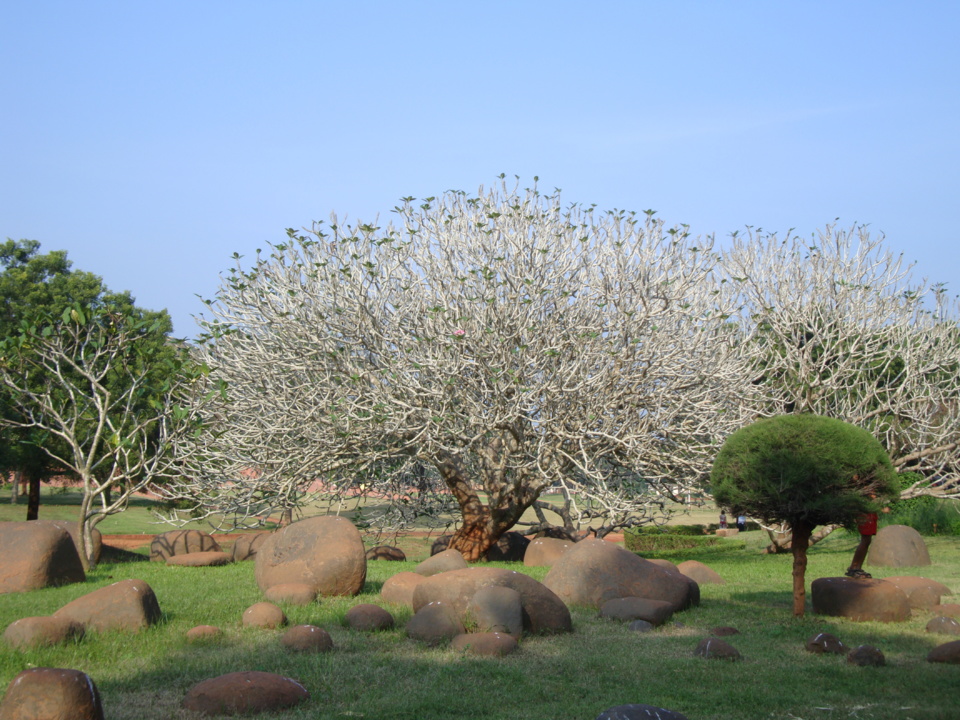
{"points": [[867, 528]]}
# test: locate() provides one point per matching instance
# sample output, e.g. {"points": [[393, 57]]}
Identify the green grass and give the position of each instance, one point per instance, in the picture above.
{"points": [[386, 676]]}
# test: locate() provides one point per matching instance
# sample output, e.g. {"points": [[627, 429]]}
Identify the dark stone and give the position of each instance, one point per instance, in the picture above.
{"points": [[291, 593], [859, 599], [866, 656], [440, 544], [244, 693], [126, 605], [496, 609], [399, 588], [441, 562], [545, 551], [367, 617], [639, 712], [37, 554], [511, 547], [625, 609], [946, 653], [898, 546], [701, 573], [181, 542], [715, 649], [325, 552], [96, 537], [31, 632], [263, 615], [825, 643], [434, 624], [488, 644], [724, 631], [246, 546], [51, 694], [640, 626], [386, 552], [943, 626], [307, 638], [212, 558], [555, 533]]}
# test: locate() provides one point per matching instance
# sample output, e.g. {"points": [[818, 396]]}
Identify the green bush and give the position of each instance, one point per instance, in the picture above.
{"points": [[646, 541], [927, 515]]}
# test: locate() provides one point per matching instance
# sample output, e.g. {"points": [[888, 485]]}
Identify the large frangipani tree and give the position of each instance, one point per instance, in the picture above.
{"points": [[490, 346]]}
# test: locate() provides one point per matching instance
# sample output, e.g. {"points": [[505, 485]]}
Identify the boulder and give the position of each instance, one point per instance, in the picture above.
{"points": [[368, 617], [126, 605], [291, 593], [594, 571], [244, 693], [263, 615], [946, 653], [701, 573], [943, 626], [545, 551], [212, 558], [96, 537], [511, 547], [496, 609], [666, 565], [866, 656], [45, 693], [434, 624], [639, 711], [923, 594], [441, 562], [399, 588], [859, 599], [203, 632], [37, 554], [898, 546], [724, 631], [181, 542], [386, 552], [716, 649], [488, 644], [656, 612], [31, 632], [440, 544], [307, 638], [246, 546], [543, 611], [949, 610], [325, 552], [825, 644]]}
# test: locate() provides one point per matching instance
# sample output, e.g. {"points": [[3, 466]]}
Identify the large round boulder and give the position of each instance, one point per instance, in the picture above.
{"points": [[545, 551], [496, 609], [859, 599], [595, 571], [54, 693], [898, 546], [543, 611], [129, 605], [325, 552], [244, 693], [181, 542], [37, 554]]}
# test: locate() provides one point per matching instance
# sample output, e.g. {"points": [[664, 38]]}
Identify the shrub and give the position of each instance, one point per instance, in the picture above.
{"points": [[925, 514], [640, 541]]}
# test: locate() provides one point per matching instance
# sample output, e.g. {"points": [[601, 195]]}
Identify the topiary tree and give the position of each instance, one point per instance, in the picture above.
{"points": [[804, 470]]}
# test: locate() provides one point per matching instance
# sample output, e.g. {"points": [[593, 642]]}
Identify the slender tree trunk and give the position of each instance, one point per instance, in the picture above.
{"points": [[801, 541], [33, 495], [15, 490]]}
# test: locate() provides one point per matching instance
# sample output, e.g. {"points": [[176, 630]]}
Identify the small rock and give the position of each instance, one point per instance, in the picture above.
{"points": [[866, 656], [715, 649], [203, 632], [944, 626], [264, 615], [368, 617], [639, 712], [949, 610], [825, 643], [50, 694], [244, 693], [489, 644], [307, 638], [946, 653], [724, 631], [32, 632]]}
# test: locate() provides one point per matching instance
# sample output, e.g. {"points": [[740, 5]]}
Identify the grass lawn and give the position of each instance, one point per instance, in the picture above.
{"points": [[575, 676]]}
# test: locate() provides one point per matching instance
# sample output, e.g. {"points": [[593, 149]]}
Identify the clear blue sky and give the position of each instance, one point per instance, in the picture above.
{"points": [[151, 140]]}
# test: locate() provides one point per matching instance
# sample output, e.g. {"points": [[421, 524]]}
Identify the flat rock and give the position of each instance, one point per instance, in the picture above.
{"points": [[594, 571], [544, 552], [441, 562], [399, 588], [291, 593], [244, 693], [713, 648], [263, 615], [367, 617], [31, 632], [703, 574], [639, 711], [211, 558], [946, 653], [626, 609], [307, 638], [45, 693], [325, 552], [246, 546], [866, 656], [181, 542], [488, 644], [129, 605], [386, 552], [434, 624], [923, 593], [943, 626], [543, 611], [37, 554], [203, 632], [898, 546], [859, 599], [825, 643]]}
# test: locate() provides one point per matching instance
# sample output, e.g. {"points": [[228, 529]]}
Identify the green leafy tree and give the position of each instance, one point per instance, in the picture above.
{"points": [[805, 471]]}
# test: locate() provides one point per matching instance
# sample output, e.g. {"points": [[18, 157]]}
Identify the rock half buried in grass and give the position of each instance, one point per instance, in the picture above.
{"points": [[51, 693], [386, 552], [488, 644], [202, 633], [435, 624], [625, 609], [307, 638], [496, 609], [293, 593], [212, 558], [545, 551], [825, 643], [126, 605], [946, 653], [713, 648], [703, 574], [41, 631], [263, 615], [368, 617], [859, 599], [441, 562], [640, 712], [943, 626], [246, 546], [866, 656], [244, 693]]}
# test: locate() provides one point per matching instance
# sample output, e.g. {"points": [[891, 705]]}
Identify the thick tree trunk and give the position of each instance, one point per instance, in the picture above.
{"points": [[801, 541]]}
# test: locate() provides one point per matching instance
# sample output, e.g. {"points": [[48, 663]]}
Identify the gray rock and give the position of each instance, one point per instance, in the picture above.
{"points": [[898, 546], [443, 561], [716, 649], [496, 609], [625, 609], [866, 656], [434, 624]]}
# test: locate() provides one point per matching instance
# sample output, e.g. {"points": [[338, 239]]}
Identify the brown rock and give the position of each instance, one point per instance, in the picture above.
{"points": [[263, 615], [496, 609], [126, 605], [859, 599], [203, 632], [244, 693], [545, 551], [37, 554], [640, 626], [543, 611], [368, 617], [386, 552], [626, 609], [724, 631], [291, 593], [943, 626], [949, 610], [639, 711], [715, 649], [441, 562], [246, 546], [898, 546], [434, 624], [30, 632], [946, 653], [923, 593], [95, 536], [212, 558], [701, 573], [666, 565], [51, 694], [325, 552], [399, 588], [181, 542], [307, 638], [866, 656], [825, 643], [594, 571], [488, 644]]}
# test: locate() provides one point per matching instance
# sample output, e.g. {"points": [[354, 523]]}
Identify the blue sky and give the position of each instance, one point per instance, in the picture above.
{"points": [[152, 140]]}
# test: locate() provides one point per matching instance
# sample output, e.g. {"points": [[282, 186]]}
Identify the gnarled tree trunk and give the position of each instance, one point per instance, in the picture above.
{"points": [[801, 541]]}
